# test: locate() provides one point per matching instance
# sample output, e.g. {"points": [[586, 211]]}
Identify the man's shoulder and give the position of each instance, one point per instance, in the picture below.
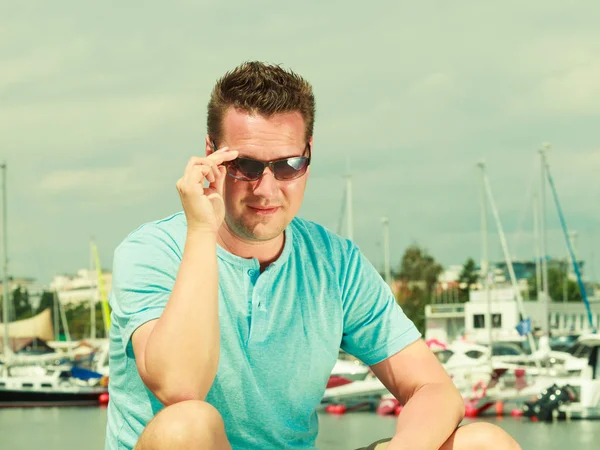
{"points": [[316, 237], [169, 230]]}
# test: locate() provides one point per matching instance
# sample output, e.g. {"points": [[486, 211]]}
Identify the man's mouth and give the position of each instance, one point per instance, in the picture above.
{"points": [[264, 210]]}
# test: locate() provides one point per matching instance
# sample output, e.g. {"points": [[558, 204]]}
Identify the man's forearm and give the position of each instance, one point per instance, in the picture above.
{"points": [[428, 418], [182, 352]]}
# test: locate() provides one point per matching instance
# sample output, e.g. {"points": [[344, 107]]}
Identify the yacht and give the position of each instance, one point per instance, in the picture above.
{"points": [[22, 386]]}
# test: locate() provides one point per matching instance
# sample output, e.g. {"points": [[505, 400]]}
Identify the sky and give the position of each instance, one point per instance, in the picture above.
{"points": [[102, 105]]}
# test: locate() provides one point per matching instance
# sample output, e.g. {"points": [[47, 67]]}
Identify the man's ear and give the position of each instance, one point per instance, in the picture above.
{"points": [[210, 145]]}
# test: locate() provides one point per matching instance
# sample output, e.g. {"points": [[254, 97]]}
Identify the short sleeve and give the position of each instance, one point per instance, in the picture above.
{"points": [[144, 271], [375, 327]]}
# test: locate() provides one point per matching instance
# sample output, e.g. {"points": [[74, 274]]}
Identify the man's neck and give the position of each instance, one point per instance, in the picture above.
{"points": [[265, 251]]}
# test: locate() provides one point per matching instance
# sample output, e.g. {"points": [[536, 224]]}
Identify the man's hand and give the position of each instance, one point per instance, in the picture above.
{"points": [[204, 207]]}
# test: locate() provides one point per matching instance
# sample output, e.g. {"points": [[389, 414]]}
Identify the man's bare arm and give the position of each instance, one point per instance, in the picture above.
{"points": [[177, 355], [433, 407]]}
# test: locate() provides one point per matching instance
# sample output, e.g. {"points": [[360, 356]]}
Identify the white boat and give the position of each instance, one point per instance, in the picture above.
{"points": [[351, 370], [567, 397], [587, 386], [358, 391], [469, 365], [48, 386], [352, 382]]}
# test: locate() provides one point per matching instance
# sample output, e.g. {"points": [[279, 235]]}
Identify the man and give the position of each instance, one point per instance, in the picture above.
{"points": [[228, 317]]}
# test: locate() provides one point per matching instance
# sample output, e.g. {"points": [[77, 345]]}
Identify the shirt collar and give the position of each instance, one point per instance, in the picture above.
{"points": [[253, 262]]}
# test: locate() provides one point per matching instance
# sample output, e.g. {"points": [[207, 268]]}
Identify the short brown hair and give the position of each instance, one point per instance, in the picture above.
{"points": [[260, 88]]}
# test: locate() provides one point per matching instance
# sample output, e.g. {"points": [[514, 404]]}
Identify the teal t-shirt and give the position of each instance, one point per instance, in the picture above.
{"points": [[281, 330]]}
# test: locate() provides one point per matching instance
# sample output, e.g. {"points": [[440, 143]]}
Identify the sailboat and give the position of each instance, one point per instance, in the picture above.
{"points": [[37, 385], [586, 404], [580, 383], [50, 386]]}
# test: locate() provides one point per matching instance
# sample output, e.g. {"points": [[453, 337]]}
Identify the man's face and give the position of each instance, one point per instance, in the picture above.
{"points": [[261, 210]]}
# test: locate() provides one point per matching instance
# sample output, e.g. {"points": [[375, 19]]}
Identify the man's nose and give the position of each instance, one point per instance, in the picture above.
{"points": [[266, 186]]}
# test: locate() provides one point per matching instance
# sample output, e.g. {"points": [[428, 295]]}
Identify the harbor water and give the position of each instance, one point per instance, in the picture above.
{"points": [[83, 428]]}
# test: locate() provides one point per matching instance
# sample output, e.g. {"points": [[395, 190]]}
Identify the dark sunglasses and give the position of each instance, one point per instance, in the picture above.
{"points": [[285, 169]]}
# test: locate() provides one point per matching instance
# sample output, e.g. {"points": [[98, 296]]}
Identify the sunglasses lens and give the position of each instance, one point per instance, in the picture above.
{"points": [[290, 168], [245, 169]]}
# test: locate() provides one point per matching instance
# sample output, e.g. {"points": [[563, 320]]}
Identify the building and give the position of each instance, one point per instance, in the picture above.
{"points": [[81, 287], [451, 321]]}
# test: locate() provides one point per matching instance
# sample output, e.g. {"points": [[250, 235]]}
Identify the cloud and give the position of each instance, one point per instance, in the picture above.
{"points": [[99, 113], [107, 181], [574, 92], [82, 122], [571, 92]]}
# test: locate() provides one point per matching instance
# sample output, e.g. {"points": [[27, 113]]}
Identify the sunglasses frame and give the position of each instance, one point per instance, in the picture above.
{"points": [[270, 165]]}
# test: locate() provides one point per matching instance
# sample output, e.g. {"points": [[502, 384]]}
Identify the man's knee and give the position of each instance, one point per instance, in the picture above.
{"points": [[187, 425], [482, 436]]}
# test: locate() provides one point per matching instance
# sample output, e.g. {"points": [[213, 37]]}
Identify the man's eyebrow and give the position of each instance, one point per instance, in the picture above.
{"points": [[293, 154], [242, 153]]}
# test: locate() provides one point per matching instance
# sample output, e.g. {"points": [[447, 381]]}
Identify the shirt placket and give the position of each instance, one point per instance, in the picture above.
{"points": [[259, 323]]}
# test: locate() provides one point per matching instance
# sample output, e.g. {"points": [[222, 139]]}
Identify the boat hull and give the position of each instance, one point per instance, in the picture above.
{"points": [[20, 399]]}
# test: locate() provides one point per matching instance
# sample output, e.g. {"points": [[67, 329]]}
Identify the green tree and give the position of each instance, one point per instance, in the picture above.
{"points": [[556, 286], [413, 306], [418, 274], [419, 266], [468, 277], [46, 301], [21, 304], [2, 311], [78, 318]]}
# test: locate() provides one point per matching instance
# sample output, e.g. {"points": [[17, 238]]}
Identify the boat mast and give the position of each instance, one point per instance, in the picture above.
{"points": [[507, 257], [5, 300], [101, 290], [485, 261], [55, 319], [546, 292], [386, 250], [349, 222], [563, 224], [63, 316], [92, 295], [573, 241], [536, 239]]}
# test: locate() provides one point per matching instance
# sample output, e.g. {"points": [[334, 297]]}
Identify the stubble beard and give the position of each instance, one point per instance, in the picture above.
{"points": [[256, 228]]}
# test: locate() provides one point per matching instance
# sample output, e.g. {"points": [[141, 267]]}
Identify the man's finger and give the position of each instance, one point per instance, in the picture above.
{"points": [[207, 162], [201, 162], [210, 165], [219, 150], [215, 172], [221, 156], [194, 160], [197, 160], [220, 180], [196, 175]]}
